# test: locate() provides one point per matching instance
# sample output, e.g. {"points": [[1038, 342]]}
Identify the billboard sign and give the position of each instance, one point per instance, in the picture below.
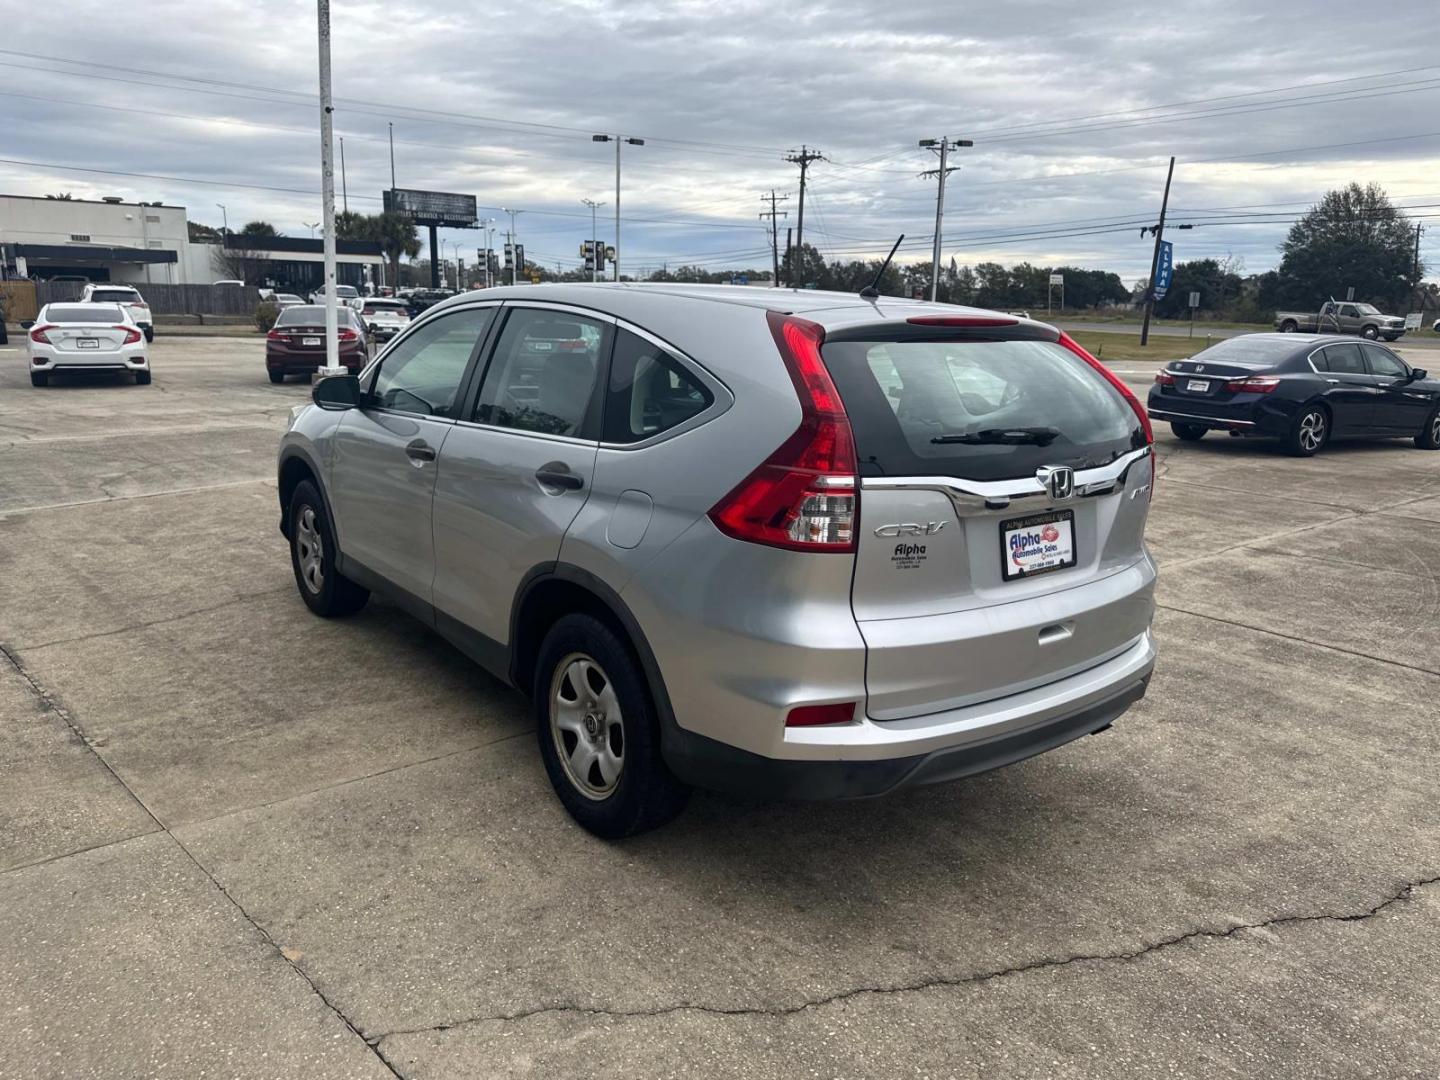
{"points": [[433, 207]]}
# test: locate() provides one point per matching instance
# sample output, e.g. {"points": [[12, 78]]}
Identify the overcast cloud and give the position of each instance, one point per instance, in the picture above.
{"points": [[721, 90]]}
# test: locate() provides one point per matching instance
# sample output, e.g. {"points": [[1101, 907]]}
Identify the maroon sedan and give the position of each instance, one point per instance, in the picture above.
{"points": [[296, 346]]}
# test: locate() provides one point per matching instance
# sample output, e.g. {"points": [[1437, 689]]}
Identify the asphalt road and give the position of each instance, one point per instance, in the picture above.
{"points": [[239, 841]]}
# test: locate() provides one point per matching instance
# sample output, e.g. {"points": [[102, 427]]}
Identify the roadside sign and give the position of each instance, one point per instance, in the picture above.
{"points": [[1350, 294], [1057, 279], [1194, 299], [1166, 270], [1413, 320], [433, 207]]}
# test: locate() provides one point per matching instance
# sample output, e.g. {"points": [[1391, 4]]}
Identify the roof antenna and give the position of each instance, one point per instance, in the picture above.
{"points": [[871, 291]]}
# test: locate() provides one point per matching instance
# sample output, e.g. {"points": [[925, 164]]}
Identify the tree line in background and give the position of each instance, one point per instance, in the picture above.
{"points": [[1353, 238]]}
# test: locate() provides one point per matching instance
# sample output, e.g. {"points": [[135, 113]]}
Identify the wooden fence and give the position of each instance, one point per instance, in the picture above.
{"points": [[165, 299], [19, 300]]}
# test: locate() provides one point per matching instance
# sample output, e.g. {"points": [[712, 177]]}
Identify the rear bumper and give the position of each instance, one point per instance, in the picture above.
{"points": [[950, 745], [1263, 414], [114, 360], [308, 363]]}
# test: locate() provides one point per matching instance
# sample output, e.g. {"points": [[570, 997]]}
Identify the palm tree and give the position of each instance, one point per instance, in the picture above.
{"points": [[396, 234]]}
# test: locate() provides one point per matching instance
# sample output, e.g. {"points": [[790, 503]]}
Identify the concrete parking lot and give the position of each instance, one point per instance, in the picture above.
{"points": [[238, 841]]}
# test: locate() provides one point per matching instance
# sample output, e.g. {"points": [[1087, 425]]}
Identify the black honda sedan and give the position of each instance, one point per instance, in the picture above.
{"points": [[1303, 392]]}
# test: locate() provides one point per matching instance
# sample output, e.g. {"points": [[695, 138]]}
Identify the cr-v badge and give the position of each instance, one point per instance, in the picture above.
{"points": [[929, 528]]}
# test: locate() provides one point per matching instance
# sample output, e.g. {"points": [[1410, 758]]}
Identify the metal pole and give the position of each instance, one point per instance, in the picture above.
{"points": [[1155, 258], [344, 188], [327, 198], [617, 207], [939, 219], [392, 155]]}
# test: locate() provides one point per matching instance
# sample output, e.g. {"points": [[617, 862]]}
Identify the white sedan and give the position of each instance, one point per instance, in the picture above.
{"points": [[93, 337]]}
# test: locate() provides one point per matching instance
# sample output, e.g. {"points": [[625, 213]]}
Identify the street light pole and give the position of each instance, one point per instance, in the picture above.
{"points": [[617, 139], [327, 196], [225, 220], [514, 239]]}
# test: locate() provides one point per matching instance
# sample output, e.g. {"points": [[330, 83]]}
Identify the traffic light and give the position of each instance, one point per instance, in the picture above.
{"points": [[520, 257], [509, 255], [587, 250]]}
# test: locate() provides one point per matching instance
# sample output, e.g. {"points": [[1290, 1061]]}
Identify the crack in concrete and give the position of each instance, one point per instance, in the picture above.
{"points": [[238, 598], [1400, 895], [52, 704]]}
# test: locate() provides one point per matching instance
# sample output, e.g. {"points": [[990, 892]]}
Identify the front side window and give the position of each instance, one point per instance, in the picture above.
{"points": [[543, 373], [650, 391], [423, 372], [1384, 363]]}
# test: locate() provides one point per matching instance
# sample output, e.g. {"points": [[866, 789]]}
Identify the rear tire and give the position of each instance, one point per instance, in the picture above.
{"points": [[149, 333], [1289, 326], [142, 378], [1429, 437], [598, 732], [277, 376], [39, 378], [1188, 432], [324, 589], [1309, 433]]}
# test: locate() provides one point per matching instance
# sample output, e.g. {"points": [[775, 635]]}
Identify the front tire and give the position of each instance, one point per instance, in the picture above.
{"points": [[324, 589], [1370, 333], [1429, 437], [598, 732], [1309, 433], [1188, 432], [39, 378]]}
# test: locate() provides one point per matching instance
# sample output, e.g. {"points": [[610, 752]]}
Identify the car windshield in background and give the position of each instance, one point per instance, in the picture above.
{"points": [[114, 296], [84, 313], [1255, 350], [983, 410], [1367, 309], [308, 314]]}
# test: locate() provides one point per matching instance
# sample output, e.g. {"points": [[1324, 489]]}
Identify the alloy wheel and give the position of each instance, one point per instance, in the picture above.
{"points": [[310, 550], [1435, 430], [587, 725], [1312, 431]]}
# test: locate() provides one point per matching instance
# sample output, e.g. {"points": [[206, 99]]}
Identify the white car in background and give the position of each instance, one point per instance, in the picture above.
{"points": [[85, 337], [345, 294], [384, 318], [128, 298]]}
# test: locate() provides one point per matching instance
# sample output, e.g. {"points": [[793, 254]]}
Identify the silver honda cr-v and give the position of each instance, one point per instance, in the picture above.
{"points": [[798, 543]]}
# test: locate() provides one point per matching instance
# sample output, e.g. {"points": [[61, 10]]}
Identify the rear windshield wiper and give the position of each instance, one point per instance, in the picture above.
{"points": [[1015, 436]]}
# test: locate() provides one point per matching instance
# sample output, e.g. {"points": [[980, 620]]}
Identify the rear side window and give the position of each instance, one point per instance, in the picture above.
{"points": [[650, 391], [1345, 359], [542, 375], [1320, 361], [940, 408]]}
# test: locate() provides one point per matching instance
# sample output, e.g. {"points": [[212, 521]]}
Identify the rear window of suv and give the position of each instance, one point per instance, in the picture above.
{"points": [[114, 296], [907, 400]]}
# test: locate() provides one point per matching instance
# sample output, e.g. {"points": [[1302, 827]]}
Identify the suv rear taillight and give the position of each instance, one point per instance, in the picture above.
{"points": [[1129, 395], [37, 334], [803, 496]]}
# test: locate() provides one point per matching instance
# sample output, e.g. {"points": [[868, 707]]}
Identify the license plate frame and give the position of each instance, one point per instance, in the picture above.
{"points": [[87, 343], [1063, 521], [1197, 386]]}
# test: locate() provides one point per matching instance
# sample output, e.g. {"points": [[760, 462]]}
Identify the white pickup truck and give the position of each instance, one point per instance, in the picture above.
{"points": [[128, 298]]}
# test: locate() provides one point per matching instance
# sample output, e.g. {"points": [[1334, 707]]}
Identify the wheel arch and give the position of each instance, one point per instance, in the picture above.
{"points": [[551, 590], [296, 466]]}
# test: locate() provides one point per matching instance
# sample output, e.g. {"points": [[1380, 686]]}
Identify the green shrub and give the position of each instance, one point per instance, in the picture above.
{"points": [[265, 315]]}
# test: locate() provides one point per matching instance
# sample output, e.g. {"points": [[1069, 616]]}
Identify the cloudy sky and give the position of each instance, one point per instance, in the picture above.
{"points": [[1074, 110]]}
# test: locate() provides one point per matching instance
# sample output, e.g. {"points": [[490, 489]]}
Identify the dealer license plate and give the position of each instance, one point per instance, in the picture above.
{"points": [[1037, 544], [1198, 386], [310, 341]]}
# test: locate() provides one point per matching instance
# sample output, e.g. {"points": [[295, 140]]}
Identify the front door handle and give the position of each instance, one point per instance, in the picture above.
{"points": [[557, 474], [419, 451]]}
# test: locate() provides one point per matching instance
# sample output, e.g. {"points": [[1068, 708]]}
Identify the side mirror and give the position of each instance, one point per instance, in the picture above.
{"points": [[26, 324], [337, 392], [1419, 373]]}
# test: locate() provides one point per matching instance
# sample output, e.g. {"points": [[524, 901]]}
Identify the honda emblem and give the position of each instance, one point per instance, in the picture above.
{"points": [[1059, 481]]}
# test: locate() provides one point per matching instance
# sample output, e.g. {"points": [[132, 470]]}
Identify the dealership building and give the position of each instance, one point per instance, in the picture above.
{"points": [[138, 243]]}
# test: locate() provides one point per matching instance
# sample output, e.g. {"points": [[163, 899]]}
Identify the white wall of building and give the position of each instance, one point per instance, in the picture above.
{"points": [[81, 223]]}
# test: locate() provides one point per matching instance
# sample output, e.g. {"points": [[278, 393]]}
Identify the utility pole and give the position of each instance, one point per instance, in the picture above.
{"points": [[1416, 271], [774, 216], [344, 188], [392, 156], [803, 159], [327, 196], [1155, 258], [944, 143], [595, 241], [789, 248]]}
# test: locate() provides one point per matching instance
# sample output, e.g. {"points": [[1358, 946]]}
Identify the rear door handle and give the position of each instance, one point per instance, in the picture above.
{"points": [[419, 450], [557, 474]]}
